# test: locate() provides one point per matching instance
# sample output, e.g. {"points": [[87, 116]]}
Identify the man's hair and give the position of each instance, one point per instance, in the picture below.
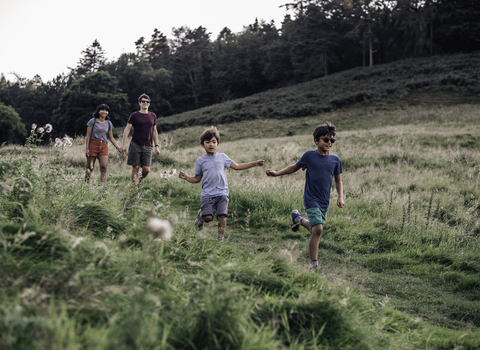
{"points": [[143, 96], [103, 106], [323, 130], [210, 133]]}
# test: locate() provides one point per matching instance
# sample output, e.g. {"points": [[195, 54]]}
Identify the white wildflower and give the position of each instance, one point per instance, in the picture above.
{"points": [[34, 126], [109, 229], [48, 128], [160, 228], [58, 142], [172, 172], [41, 130]]}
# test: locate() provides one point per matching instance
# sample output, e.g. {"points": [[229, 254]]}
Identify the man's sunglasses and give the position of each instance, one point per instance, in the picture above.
{"points": [[144, 101], [327, 140]]}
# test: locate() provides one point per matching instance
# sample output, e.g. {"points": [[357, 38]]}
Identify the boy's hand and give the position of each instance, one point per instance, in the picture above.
{"points": [[271, 172], [259, 162], [182, 175], [340, 202]]}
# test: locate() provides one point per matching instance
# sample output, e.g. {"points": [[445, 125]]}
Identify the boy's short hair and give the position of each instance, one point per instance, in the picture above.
{"points": [[143, 96], [210, 133], [324, 129]]}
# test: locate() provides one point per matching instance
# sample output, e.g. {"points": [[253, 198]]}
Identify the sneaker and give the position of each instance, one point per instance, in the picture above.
{"points": [[296, 220], [220, 239], [315, 268], [198, 221]]}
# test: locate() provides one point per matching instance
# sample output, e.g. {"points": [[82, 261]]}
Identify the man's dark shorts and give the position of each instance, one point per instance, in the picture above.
{"points": [[139, 155], [221, 203]]}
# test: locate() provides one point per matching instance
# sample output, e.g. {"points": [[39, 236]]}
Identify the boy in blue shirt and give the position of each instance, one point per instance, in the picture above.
{"points": [[322, 167], [210, 170]]}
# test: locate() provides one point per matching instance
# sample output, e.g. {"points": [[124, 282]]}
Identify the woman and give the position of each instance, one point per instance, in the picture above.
{"points": [[99, 130]]}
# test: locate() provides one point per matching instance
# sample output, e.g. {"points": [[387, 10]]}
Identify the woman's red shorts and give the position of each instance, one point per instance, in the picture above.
{"points": [[98, 148]]}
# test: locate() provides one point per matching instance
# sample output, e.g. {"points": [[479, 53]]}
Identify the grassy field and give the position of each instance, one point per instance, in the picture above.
{"points": [[79, 269]]}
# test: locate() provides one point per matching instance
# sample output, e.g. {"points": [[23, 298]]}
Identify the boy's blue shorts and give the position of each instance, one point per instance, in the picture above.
{"points": [[315, 216]]}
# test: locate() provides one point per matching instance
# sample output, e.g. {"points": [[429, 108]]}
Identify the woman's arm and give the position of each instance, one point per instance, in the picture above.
{"points": [[112, 139]]}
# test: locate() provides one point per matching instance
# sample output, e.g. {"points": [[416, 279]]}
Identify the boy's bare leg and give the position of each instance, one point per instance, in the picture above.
{"points": [[222, 225], [316, 232]]}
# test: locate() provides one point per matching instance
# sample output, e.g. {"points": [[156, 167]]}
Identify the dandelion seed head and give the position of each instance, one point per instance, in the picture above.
{"points": [[48, 128], [41, 130], [160, 228], [34, 126]]}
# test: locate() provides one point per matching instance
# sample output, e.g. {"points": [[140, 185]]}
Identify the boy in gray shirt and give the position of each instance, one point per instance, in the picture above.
{"points": [[210, 170]]}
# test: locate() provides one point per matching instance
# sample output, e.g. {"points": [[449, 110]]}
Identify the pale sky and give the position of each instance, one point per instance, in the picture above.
{"points": [[46, 36]]}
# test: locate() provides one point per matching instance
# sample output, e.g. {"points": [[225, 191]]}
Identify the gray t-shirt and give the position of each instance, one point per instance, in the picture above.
{"points": [[100, 130], [214, 178]]}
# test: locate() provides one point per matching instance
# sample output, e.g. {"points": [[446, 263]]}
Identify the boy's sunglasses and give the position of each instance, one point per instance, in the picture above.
{"points": [[144, 101], [327, 140]]}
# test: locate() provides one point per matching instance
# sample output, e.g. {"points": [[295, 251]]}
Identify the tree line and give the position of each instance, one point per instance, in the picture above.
{"points": [[191, 69]]}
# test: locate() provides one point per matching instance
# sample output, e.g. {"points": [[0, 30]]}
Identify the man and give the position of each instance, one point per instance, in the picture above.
{"points": [[144, 132]]}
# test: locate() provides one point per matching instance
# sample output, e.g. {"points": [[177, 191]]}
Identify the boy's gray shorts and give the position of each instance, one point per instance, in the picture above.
{"points": [[139, 155], [221, 204]]}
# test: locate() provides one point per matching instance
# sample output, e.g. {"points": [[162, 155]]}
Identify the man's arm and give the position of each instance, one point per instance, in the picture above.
{"points": [[243, 166], [192, 179], [155, 140], [339, 187], [288, 170], [126, 132]]}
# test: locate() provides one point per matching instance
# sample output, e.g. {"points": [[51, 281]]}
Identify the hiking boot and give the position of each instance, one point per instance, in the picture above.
{"points": [[296, 220], [198, 221]]}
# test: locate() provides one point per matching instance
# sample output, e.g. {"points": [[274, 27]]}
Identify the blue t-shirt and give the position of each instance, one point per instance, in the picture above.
{"points": [[318, 178], [214, 178]]}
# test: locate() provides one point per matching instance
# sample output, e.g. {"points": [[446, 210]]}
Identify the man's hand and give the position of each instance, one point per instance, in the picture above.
{"points": [[259, 162], [122, 149], [182, 175], [157, 151], [340, 202]]}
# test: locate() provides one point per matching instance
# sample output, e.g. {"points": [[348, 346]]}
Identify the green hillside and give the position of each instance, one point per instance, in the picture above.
{"points": [[450, 73], [81, 269]]}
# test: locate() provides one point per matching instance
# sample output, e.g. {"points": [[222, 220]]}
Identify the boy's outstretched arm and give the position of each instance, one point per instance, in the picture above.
{"points": [[288, 170], [339, 187], [192, 179], [243, 166]]}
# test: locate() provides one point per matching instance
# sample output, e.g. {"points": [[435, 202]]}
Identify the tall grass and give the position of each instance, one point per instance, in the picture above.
{"points": [[80, 270]]}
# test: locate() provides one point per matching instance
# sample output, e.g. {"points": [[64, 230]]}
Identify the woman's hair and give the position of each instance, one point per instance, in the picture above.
{"points": [[323, 130], [210, 133], [103, 106]]}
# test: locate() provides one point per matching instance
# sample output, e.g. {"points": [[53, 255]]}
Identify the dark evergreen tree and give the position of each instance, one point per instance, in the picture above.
{"points": [[93, 58]]}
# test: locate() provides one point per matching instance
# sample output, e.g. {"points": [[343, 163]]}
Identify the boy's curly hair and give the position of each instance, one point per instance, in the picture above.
{"points": [[323, 130], [209, 133]]}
